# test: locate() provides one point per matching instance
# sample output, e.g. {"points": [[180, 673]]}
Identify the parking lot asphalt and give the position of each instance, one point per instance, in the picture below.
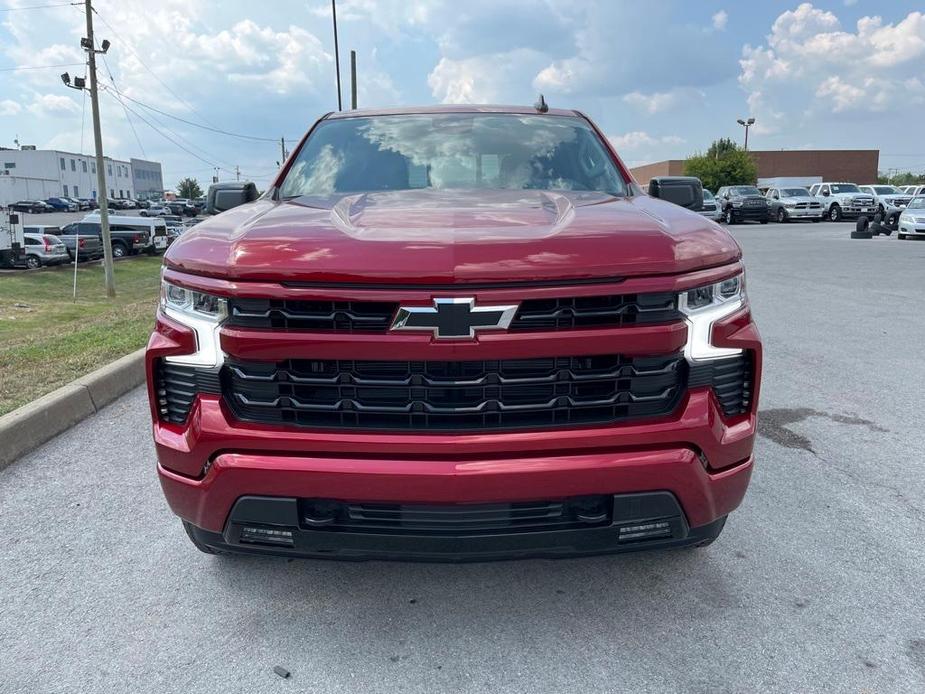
{"points": [[815, 585]]}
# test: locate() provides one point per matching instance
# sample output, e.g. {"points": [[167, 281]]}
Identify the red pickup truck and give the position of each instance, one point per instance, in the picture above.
{"points": [[453, 333]]}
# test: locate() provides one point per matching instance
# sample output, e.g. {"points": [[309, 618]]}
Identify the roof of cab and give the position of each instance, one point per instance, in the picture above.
{"points": [[450, 108]]}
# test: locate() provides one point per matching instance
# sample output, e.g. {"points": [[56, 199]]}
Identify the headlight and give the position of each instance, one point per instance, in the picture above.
{"points": [[702, 307], [204, 314], [907, 218], [198, 304]]}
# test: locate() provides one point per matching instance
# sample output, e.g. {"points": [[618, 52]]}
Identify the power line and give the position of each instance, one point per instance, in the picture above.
{"points": [[124, 110], [37, 7], [41, 67], [145, 65], [197, 125]]}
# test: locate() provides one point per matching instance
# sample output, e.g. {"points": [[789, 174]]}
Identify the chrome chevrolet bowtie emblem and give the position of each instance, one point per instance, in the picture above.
{"points": [[453, 318]]}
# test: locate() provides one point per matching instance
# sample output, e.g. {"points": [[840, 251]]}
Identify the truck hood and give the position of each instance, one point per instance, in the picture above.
{"points": [[446, 237], [794, 199]]}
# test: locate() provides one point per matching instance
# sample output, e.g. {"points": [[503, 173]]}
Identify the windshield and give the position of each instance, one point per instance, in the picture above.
{"points": [[453, 150], [707, 195], [744, 190], [917, 203], [845, 188], [885, 190], [793, 192]]}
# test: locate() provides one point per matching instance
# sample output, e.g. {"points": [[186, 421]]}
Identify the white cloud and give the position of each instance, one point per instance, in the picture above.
{"points": [[53, 105], [8, 107], [657, 102], [638, 139], [492, 78], [811, 66], [720, 19]]}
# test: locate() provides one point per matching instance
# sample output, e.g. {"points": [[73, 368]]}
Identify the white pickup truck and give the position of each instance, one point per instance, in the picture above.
{"points": [[843, 201]]}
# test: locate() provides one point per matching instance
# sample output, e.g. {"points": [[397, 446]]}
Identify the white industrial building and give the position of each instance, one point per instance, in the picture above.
{"points": [[37, 174]]}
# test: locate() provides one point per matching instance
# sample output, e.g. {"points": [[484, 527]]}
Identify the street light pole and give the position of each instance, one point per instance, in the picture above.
{"points": [[746, 124], [98, 137]]}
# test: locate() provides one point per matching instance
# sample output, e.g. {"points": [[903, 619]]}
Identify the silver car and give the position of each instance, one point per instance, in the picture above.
{"points": [[794, 203], [710, 208], [44, 249], [912, 220]]}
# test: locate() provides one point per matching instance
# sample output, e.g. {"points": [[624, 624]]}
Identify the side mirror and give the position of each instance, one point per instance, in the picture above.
{"points": [[825, 193], [685, 191], [224, 196]]}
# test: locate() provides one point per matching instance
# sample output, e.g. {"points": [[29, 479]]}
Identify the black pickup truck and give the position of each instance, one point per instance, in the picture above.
{"points": [[126, 239]]}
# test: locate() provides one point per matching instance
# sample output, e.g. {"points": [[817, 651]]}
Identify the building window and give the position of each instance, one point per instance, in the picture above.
{"points": [[76, 194], [9, 165], [112, 193], [109, 168], [73, 165], [65, 191], [63, 166], [83, 163], [93, 167]]}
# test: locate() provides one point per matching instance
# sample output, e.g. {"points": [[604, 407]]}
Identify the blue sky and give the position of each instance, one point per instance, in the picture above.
{"points": [[662, 79]]}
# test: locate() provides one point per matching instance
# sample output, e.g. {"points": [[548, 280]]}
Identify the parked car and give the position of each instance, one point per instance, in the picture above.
{"points": [[710, 207], [90, 203], [182, 208], [912, 220], [44, 249], [62, 204], [81, 246], [81, 205], [31, 206], [843, 200], [127, 235], [584, 380], [142, 204], [794, 203], [743, 203], [154, 210], [913, 191], [890, 200]]}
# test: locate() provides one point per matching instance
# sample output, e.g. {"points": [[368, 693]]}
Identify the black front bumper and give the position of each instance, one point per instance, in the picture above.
{"points": [[629, 518], [751, 214]]}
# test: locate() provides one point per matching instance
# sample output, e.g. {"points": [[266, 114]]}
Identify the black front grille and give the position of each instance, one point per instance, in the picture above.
{"points": [[457, 519], [290, 314], [176, 387], [596, 311], [731, 380], [376, 317], [471, 395]]}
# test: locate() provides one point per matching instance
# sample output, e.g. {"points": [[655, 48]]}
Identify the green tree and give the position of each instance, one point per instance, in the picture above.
{"points": [[901, 178], [723, 164], [189, 188]]}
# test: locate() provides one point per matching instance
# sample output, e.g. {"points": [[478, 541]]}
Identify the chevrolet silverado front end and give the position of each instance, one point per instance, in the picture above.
{"points": [[454, 333]]}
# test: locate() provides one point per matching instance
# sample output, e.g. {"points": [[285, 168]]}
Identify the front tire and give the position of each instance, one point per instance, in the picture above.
{"points": [[835, 214], [728, 217], [781, 215]]}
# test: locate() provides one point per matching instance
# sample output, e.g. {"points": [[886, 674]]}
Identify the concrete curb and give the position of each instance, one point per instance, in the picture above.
{"points": [[31, 425]]}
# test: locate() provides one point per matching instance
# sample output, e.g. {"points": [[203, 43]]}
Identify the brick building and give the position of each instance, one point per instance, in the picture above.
{"points": [[852, 165]]}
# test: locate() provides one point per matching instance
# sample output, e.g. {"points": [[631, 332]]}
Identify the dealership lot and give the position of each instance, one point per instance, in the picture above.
{"points": [[815, 583]]}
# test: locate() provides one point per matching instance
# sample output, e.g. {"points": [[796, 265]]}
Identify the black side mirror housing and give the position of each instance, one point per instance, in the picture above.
{"points": [[686, 191], [224, 196]]}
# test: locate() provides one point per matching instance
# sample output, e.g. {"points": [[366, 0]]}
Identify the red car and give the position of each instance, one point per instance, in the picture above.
{"points": [[453, 333]]}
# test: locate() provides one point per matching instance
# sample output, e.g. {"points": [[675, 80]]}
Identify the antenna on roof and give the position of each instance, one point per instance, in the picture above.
{"points": [[541, 105]]}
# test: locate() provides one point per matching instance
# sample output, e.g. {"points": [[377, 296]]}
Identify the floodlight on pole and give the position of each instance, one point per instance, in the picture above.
{"points": [[746, 124]]}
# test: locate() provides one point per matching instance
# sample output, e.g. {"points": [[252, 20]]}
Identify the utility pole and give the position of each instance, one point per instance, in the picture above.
{"points": [[90, 47], [237, 173], [353, 80], [340, 106]]}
